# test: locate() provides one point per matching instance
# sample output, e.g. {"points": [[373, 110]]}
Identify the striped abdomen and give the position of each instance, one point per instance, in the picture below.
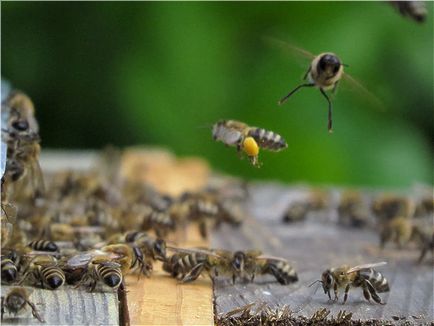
{"points": [[181, 264], [110, 275], [205, 207], [52, 276], [9, 271], [43, 245], [268, 139], [378, 281], [281, 270]]}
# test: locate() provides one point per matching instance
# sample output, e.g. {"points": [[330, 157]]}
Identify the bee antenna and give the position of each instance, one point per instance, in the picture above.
{"points": [[344, 64], [315, 282]]}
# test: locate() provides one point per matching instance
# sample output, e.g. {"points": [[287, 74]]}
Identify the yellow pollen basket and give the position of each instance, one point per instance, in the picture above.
{"points": [[250, 147]]}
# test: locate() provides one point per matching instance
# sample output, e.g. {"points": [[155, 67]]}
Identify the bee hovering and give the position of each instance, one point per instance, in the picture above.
{"points": [[247, 139], [325, 72]]}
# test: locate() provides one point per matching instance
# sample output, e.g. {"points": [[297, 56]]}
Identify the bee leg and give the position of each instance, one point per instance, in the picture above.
{"points": [[193, 274], [284, 99], [35, 312], [233, 278], [347, 288], [306, 74], [330, 119], [2, 307], [92, 286], [335, 87], [366, 293], [335, 290], [203, 229], [330, 297], [373, 292]]}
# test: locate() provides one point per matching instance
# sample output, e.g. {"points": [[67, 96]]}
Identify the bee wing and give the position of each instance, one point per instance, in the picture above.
{"points": [[365, 266], [194, 251], [253, 253], [364, 92], [272, 257], [10, 211], [288, 47], [83, 258], [37, 178], [228, 136]]}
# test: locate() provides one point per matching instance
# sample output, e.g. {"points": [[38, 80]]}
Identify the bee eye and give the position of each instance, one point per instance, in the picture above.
{"points": [[20, 125]]}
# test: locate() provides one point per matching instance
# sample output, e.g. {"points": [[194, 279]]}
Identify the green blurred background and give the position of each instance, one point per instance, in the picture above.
{"points": [[162, 73]]}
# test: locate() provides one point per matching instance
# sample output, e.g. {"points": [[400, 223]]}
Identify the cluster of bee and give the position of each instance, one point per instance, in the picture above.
{"points": [[399, 219]]}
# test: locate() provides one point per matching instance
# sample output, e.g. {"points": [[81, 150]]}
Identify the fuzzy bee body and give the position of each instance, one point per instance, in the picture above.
{"points": [[283, 272], [364, 276], [181, 264], [154, 248], [102, 269], [399, 230], [160, 222]]}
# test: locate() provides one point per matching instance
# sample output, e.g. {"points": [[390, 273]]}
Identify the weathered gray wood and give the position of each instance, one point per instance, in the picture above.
{"points": [[315, 245], [68, 306]]}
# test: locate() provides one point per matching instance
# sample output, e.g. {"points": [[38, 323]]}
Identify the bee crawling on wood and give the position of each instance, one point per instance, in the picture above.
{"points": [[389, 206], [188, 264], [296, 212], [364, 276], [398, 230], [44, 269], [352, 210], [9, 268], [247, 139], [16, 301], [102, 269], [424, 237]]}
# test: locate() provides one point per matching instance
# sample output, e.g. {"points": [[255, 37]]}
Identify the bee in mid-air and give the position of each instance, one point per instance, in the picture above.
{"points": [[247, 139], [16, 300], [364, 276], [325, 72], [415, 9]]}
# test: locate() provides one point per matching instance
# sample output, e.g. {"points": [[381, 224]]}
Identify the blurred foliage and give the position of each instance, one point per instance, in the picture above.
{"points": [[162, 73]]}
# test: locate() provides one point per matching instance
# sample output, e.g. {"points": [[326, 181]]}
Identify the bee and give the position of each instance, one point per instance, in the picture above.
{"points": [[130, 257], [43, 245], [398, 230], [161, 222], [296, 212], [102, 269], [187, 265], [411, 8], [364, 276], [9, 269], [44, 269], [152, 247], [325, 72], [424, 237], [16, 300], [425, 207], [386, 207], [247, 139], [352, 209]]}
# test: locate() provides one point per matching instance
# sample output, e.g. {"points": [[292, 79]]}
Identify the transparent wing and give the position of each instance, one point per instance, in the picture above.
{"points": [[272, 257], [363, 92], [289, 48], [194, 251], [37, 178], [365, 266]]}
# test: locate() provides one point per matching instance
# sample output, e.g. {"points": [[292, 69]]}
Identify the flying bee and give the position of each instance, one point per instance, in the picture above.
{"points": [[364, 276], [389, 206], [413, 9], [9, 269], [246, 138], [398, 230], [43, 245], [325, 72], [16, 300], [102, 269], [130, 257], [44, 269]]}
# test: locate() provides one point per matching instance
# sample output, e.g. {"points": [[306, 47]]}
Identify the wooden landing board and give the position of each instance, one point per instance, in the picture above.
{"points": [[313, 246], [162, 300], [68, 306]]}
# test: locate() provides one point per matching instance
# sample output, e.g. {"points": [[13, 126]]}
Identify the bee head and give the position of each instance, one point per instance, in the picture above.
{"points": [[238, 260], [327, 281], [330, 64], [16, 302]]}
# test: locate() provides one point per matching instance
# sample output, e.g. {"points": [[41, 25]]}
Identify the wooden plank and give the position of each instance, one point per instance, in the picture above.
{"points": [[313, 246], [162, 300], [68, 306]]}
